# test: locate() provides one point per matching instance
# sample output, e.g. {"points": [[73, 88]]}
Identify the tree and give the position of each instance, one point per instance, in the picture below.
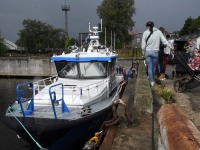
{"points": [[37, 35], [191, 26], [186, 28], [67, 43], [195, 26], [117, 17], [3, 47], [73, 41]]}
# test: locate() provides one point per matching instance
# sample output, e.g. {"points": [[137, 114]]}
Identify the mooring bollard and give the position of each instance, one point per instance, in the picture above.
{"points": [[176, 130]]}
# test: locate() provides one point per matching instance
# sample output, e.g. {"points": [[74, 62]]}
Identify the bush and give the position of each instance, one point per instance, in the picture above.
{"points": [[3, 49], [127, 53], [164, 92]]}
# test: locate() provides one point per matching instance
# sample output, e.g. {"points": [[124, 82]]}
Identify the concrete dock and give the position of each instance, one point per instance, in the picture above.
{"points": [[151, 130], [138, 135]]}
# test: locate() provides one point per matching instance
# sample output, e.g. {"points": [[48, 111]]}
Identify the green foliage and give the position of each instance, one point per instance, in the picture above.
{"points": [[117, 17], [3, 47], [37, 35], [129, 52], [67, 41], [73, 41], [157, 81], [191, 26], [164, 92]]}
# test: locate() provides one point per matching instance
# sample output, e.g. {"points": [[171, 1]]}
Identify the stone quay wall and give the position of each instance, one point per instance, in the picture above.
{"points": [[26, 67], [37, 67]]}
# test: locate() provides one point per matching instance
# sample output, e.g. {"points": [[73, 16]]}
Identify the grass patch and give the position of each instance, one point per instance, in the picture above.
{"points": [[127, 53], [164, 92]]}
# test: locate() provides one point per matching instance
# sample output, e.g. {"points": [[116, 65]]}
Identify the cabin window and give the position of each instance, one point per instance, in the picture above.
{"points": [[111, 68], [83, 70], [67, 69], [90, 70]]}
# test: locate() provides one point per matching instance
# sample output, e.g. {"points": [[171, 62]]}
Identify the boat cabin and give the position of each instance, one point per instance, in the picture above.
{"points": [[85, 67]]}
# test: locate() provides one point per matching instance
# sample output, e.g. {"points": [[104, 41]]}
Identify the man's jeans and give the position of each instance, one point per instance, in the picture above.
{"points": [[152, 59]]}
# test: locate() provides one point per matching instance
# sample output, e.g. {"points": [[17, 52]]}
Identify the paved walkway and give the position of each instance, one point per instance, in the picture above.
{"points": [[188, 100], [142, 134], [138, 135]]}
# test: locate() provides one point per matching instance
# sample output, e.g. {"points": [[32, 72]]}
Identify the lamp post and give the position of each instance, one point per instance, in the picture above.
{"points": [[66, 8]]}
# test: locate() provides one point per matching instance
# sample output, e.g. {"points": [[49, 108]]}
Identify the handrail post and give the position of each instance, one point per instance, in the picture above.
{"points": [[81, 91], [53, 99], [20, 97]]}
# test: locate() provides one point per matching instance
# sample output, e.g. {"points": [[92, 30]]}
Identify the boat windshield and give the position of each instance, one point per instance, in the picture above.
{"points": [[90, 70], [83, 70], [67, 69]]}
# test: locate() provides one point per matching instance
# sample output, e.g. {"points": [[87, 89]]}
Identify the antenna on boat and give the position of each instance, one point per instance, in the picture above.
{"points": [[89, 27], [114, 42], [96, 28], [101, 25], [105, 36], [111, 41]]}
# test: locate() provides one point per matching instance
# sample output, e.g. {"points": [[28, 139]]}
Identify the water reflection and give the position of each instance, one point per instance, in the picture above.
{"points": [[8, 138]]}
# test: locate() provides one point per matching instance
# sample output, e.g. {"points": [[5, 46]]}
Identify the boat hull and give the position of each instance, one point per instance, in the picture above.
{"points": [[59, 134]]}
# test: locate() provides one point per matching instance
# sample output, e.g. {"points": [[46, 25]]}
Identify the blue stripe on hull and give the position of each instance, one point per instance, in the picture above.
{"points": [[81, 59]]}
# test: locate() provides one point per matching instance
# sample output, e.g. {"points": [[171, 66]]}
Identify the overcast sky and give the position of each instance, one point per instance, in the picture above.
{"points": [[171, 14]]}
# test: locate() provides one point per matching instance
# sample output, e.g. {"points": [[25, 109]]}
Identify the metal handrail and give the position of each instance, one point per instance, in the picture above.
{"points": [[82, 89], [21, 99], [52, 94], [36, 88]]}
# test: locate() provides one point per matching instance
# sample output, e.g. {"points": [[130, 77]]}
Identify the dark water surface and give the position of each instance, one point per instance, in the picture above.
{"points": [[8, 138]]}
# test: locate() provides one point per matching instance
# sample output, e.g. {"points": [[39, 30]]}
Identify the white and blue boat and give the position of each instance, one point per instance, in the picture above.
{"points": [[64, 111]]}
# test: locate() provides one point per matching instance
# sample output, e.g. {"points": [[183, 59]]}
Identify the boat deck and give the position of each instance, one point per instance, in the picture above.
{"points": [[46, 111]]}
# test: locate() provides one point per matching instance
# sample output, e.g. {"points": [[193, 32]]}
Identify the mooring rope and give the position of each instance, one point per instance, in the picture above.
{"points": [[25, 129]]}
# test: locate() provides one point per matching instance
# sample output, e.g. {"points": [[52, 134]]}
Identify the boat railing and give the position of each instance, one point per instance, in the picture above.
{"points": [[40, 84], [24, 92], [94, 89], [86, 92], [54, 99]]}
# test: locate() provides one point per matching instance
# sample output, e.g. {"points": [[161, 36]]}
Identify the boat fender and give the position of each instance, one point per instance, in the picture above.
{"points": [[95, 138]]}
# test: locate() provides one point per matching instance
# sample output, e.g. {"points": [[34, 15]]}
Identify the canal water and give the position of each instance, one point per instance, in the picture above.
{"points": [[8, 138]]}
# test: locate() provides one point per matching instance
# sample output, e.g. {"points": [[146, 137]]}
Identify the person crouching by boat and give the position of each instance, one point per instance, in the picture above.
{"points": [[150, 45]]}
